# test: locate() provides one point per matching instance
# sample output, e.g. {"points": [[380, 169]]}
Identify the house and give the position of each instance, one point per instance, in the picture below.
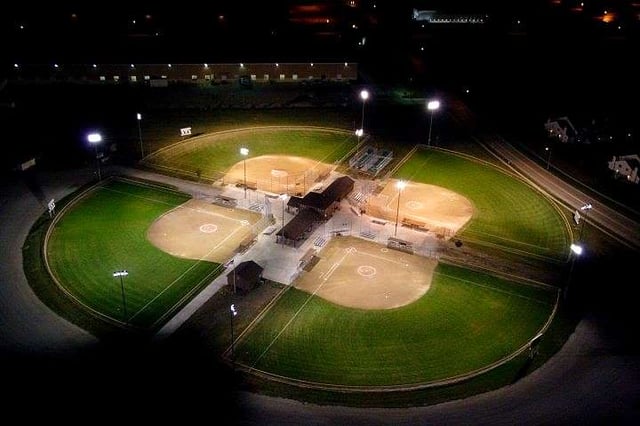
{"points": [[245, 276], [561, 129], [626, 166]]}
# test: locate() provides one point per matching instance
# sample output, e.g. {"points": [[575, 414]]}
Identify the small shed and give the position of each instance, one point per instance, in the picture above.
{"points": [[245, 276]]}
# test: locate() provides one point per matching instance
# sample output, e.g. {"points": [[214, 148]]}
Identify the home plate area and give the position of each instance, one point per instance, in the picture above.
{"points": [[362, 274], [201, 230]]}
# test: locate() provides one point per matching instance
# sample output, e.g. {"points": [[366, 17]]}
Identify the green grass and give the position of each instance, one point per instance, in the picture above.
{"points": [[465, 322], [508, 213], [214, 154], [106, 232]]}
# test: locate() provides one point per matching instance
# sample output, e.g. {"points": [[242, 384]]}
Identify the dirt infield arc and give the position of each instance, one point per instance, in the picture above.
{"points": [[201, 230], [278, 173], [361, 274]]}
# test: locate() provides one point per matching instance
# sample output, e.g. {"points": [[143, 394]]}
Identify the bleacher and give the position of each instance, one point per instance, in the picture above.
{"points": [[371, 160]]}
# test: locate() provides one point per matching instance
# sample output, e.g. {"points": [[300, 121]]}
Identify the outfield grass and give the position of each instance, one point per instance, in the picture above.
{"points": [[465, 322], [106, 232], [213, 154], [508, 213]]}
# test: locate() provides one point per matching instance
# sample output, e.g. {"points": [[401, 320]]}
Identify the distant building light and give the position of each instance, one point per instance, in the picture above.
{"points": [[133, 21], [95, 66], [55, 65], [206, 65], [346, 65], [311, 63], [132, 66], [241, 65], [169, 65], [277, 64], [16, 66]]}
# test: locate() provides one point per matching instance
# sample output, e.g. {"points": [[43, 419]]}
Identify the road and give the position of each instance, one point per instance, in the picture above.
{"points": [[608, 219]]}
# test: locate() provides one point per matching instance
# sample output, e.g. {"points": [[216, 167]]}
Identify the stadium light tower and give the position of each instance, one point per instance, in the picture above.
{"points": [[139, 118], [244, 152], [364, 95], [94, 139], [283, 198], [122, 274], [548, 149], [233, 312], [400, 185], [432, 106], [576, 251]]}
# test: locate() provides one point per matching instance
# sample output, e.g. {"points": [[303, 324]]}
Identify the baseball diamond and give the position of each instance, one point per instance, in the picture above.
{"points": [[362, 274]]}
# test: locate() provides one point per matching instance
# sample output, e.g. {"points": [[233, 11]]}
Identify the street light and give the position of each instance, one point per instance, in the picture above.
{"points": [[432, 106], [400, 185], [122, 274], [546, 148], [95, 139], [244, 152], [585, 208], [139, 117], [364, 95], [233, 313]]}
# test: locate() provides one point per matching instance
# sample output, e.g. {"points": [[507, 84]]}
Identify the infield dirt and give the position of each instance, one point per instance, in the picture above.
{"points": [[361, 274]]}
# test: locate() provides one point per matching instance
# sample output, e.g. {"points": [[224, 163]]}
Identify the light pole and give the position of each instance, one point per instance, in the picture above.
{"points": [[283, 197], [122, 274], [244, 152], [546, 148], [400, 185], [94, 139], [364, 95], [233, 312], [585, 208], [432, 106], [576, 250], [139, 117]]}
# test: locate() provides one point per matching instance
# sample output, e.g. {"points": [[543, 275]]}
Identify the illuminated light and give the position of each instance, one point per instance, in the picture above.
{"points": [[169, 65], [577, 249], [95, 66], [345, 64], [22, 27], [94, 137], [147, 16], [206, 65], [311, 63], [132, 66], [277, 64], [133, 21], [241, 65], [15, 65], [433, 105], [364, 95]]}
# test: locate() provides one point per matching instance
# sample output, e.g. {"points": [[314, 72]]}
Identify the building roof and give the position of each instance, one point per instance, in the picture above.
{"points": [[299, 224], [248, 270], [339, 188]]}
